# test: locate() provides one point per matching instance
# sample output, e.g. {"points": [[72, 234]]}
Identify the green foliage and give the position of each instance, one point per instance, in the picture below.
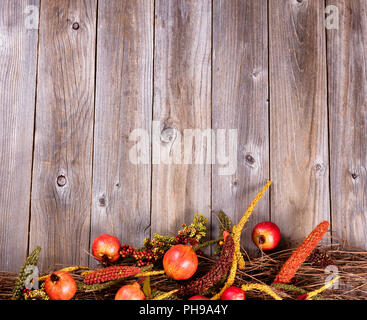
{"points": [[197, 229], [193, 234], [99, 286], [156, 293], [146, 288]]}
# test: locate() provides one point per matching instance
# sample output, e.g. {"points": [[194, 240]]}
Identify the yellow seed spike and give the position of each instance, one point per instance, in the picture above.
{"points": [[149, 273], [237, 248], [262, 288], [238, 229], [238, 260], [248, 212], [67, 269], [166, 295], [323, 288]]}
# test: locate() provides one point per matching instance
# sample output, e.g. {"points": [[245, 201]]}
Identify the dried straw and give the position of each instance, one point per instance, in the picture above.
{"points": [[351, 267]]}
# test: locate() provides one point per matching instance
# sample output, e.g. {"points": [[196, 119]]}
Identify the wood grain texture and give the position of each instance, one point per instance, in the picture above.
{"points": [[62, 172], [298, 117], [240, 93], [18, 60], [121, 189], [182, 100], [347, 67]]}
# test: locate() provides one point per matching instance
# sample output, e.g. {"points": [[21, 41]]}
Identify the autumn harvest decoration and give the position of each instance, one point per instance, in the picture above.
{"points": [[176, 267]]}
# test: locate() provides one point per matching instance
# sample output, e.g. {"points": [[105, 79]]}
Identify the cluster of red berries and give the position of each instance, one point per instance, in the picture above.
{"points": [[147, 256], [142, 257], [185, 239], [126, 250]]}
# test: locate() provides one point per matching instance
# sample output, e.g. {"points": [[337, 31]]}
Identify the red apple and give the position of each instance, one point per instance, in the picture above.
{"points": [[60, 285], [199, 297], [106, 248], [180, 262], [233, 293], [266, 235], [130, 292]]}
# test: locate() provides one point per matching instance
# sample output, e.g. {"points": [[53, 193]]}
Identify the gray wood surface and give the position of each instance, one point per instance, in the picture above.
{"points": [[182, 100], [62, 172], [347, 53], [298, 117], [18, 60], [240, 93], [121, 189]]}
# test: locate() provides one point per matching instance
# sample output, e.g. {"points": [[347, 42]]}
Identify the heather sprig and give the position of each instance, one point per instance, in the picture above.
{"points": [[216, 273]]}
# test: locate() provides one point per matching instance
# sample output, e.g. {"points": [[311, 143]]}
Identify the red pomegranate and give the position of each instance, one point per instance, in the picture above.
{"points": [[233, 293], [266, 235], [180, 262], [60, 285], [130, 292], [106, 248]]}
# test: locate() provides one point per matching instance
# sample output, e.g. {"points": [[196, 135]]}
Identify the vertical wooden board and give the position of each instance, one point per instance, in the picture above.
{"points": [[18, 60], [62, 171], [121, 188], [347, 69], [182, 100], [240, 101], [298, 116]]}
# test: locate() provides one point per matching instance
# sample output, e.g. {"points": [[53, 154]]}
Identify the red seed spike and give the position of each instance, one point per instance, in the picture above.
{"points": [[291, 266], [110, 273]]}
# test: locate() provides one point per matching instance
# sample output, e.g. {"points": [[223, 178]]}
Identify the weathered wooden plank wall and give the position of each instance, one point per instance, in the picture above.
{"points": [[18, 64], [182, 100], [298, 116], [347, 67], [293, 90], [121, 190], [62, 165], [240, 101]]}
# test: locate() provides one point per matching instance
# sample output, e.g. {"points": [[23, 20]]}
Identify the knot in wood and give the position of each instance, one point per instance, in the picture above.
{"points": [[249, 159], [168, 134], [75, 26], [354, 176], [102, 201], [61, 181]]}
